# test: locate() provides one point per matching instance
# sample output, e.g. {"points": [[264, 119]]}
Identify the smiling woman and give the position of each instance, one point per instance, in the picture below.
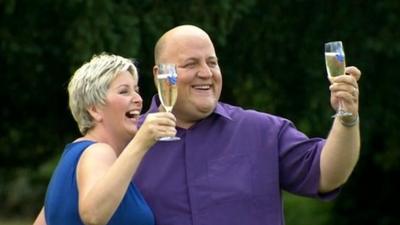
{"points": [[105, 102]]}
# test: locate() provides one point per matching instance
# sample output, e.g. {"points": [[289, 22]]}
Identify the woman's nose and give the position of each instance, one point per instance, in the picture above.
{"points": [[137, 98]]}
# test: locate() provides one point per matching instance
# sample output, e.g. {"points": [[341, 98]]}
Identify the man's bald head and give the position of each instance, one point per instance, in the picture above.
{"points": [[199, 81], [173, 36]]}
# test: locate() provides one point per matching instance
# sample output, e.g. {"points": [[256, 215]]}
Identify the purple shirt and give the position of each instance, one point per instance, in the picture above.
{"points": [[229, 169]]}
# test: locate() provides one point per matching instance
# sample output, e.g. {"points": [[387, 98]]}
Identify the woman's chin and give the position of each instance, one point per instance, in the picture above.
{"points": [[131, 131]]}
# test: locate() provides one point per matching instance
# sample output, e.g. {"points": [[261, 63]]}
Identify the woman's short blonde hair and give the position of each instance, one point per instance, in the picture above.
{"points": [[89, 84]]}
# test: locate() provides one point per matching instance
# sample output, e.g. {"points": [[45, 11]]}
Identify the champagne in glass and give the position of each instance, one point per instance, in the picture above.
{"points": [[167, 90], [335, 66]]}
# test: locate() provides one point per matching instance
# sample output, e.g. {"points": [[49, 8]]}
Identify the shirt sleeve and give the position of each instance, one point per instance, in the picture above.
{"points": [[299, 162]]}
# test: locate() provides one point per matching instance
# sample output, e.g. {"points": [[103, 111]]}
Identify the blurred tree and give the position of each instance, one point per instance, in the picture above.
{"points": [[271, 55]]}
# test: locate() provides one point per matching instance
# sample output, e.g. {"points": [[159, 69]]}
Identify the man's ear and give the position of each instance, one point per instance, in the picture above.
{"points": [[95, 113], [155, 72]]}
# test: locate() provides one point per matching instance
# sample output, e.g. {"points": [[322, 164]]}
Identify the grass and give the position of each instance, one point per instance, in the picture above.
{"points": [[306, 211], [15, 221]]}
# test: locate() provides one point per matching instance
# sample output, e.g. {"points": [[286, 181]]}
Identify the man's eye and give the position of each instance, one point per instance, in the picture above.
{"points": [[213, 64], [189, 65]]}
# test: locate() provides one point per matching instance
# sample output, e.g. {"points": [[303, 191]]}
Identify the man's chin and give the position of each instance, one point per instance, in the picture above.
{"points": [[206, 108]]}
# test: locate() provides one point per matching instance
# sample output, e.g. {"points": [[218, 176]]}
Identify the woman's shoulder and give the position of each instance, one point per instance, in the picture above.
{"points": [[99, 151]]}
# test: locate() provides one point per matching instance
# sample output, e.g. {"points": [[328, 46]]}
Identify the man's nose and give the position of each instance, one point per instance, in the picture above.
{"points": [[204, 71]]}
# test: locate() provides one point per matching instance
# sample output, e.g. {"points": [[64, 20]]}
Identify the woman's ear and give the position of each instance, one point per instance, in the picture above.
{"points": [[95, 113]]}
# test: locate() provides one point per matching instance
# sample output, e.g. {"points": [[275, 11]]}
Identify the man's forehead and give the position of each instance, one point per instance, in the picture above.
{"points": [[194, 53], [190, 42]]}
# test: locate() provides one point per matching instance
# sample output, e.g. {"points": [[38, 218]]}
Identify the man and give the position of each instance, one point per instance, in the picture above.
{"points": [[231, 164]]}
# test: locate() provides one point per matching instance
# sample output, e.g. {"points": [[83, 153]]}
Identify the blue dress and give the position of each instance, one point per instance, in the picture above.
{"points": [[61, 202]]}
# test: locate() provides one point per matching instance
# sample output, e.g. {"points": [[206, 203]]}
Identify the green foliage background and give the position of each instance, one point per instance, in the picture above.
{"points": [[271, 54]]}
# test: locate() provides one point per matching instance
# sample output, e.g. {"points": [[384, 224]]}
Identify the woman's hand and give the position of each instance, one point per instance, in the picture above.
{"points": [[155, 126]]}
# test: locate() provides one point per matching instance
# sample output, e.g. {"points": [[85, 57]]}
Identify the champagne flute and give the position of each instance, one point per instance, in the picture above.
{"points": [[335, 66], [167, 90]]}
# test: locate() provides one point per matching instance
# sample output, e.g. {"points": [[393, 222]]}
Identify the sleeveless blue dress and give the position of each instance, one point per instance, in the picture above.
{"points": [[61, 202]]}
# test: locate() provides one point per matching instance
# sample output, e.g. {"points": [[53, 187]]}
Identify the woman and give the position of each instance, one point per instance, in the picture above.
{"points": [[92, 182]]}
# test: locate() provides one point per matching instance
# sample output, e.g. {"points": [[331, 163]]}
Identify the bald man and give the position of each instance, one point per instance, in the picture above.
{"points": [[231, 164]]}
